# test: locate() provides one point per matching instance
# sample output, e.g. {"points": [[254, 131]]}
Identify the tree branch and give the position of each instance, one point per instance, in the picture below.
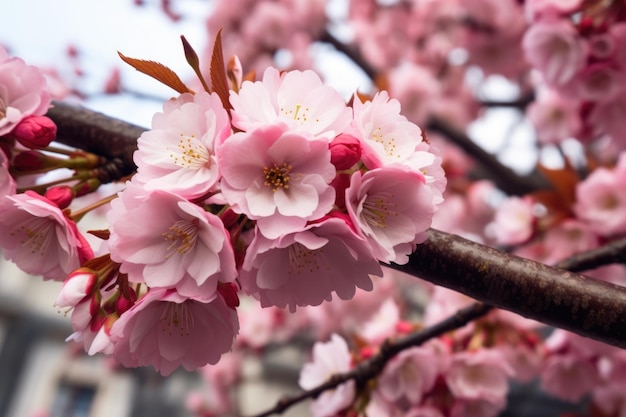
{"points": [[370, 368], [504, 178], [557, 297]]}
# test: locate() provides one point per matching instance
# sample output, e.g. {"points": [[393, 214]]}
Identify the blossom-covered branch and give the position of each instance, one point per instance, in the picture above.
{"points": [[582, 305], [372, 367]]}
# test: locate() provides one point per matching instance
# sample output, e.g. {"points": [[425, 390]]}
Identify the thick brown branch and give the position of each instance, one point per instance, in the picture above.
{"points": [[591, 308], [97, 133]]}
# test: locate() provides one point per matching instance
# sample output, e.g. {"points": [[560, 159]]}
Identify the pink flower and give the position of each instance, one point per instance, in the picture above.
{"points": [[601, 201], [554, 118], [39, 238], [178, 154], [409, 375], [167, 330], [297, 98], [599, 81], [163, 240], [568, 377], [279, 177], [514, 221], [306, 267], [393, 208], [479, 375], [22, 92], [382, 324], [387, 137], [554, 47], [329, 358], [569, 238]]}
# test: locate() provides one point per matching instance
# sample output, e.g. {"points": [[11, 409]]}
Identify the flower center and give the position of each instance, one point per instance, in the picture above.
{"points": [[303, 259], [190, 153], [176, 316], [377, 209], [36, 234], [182, 235], [277, 176], [389, 144]]}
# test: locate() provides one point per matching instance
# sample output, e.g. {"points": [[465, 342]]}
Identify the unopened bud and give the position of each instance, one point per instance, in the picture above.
{"points": [[35, 132], [122, 304], [345, 151], [228, 291], [78, 285], [61, 196]]}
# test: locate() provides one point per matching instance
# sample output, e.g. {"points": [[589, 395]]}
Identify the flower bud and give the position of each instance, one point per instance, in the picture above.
{"points": [[78, 285], [122, 304], [61, 196], [229, 292], [35, 132], [345, 151]]}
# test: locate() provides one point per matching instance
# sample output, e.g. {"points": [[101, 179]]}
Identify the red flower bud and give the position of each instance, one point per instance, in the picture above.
{"points": [[61, 196], [79, 284], [122, 304], [229, 292], [35, 132], [345, 151]]}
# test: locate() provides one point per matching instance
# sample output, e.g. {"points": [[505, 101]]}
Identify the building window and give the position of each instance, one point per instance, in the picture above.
{"points": [[72, 400]]}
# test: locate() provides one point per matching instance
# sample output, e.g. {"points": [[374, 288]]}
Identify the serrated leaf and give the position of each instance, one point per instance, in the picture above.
{"points": [[159, 72], [218, 72]]}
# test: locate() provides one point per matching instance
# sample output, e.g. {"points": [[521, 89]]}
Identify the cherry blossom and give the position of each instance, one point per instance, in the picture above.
{"points": [[387, 136], [22, 91], [167, 330], [297, 98], [329, 358], [554, 47], [600, 201], [40, 238], [278, 177], [393, 208], [306, 267], [480, 375], [163, 240], [409, 375], [178, 153]]}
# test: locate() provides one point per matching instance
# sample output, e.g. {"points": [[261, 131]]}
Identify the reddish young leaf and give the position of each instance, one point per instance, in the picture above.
{"points": [[218, 72], [159, 72], [563, 181]]}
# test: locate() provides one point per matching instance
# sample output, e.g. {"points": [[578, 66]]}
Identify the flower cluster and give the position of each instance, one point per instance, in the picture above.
{"points": [[577, 48], [465, 372], [287, 194]]}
